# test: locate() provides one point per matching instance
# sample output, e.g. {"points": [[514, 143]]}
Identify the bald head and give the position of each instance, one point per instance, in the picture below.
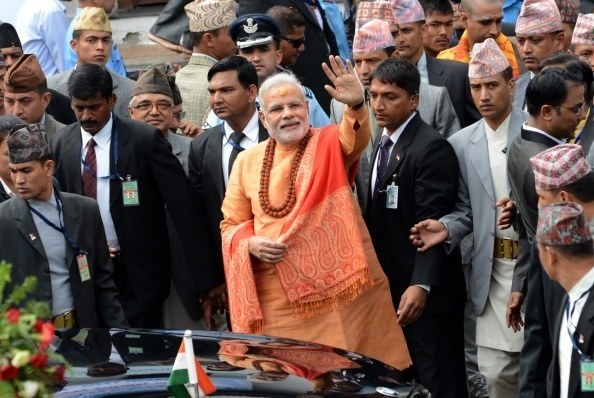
{"points": [[482, 19], [469, 6]]}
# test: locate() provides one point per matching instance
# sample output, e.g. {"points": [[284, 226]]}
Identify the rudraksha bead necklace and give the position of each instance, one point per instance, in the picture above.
{"points": [[291, 197]]}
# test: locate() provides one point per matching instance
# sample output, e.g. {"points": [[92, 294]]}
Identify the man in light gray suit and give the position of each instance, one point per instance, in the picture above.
{"points": [[485, 210], [372, 44], [92, 43]]}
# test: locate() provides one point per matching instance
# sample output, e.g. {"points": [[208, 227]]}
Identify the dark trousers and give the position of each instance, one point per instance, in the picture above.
{"points": [[436, 345], [138, 316]]}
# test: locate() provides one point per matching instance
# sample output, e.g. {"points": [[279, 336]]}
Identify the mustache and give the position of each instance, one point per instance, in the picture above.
{"points": [[88, 122]]}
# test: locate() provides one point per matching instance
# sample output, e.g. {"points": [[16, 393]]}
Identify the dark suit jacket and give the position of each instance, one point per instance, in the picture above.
{"points": [[544, 299], [521, 176], [96, 301], [536, 352], [585, 328], [521, 184], [206, 175], [3, 195], [142, 233], [427, 179], [317, 41], [59, 108], [453, 75]]}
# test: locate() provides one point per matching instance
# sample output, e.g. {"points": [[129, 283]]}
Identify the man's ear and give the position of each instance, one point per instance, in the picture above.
{"points": [[263, 119], [464, 19], [46, 98], [252, 92]]}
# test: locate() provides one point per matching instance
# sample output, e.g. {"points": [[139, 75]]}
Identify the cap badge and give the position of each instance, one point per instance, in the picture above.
{"points": [[251, 27]]}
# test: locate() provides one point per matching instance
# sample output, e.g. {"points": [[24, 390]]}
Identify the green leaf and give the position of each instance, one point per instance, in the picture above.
{"points": [[5, 271]]}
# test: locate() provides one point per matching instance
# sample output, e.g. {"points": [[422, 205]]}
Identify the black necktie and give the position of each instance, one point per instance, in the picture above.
{"points": [[382, 163], [89, 177], [235, 139]]}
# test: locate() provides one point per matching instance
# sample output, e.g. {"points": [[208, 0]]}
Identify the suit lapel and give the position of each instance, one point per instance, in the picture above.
{"points": [[520, 92], [26, 225], [435, 72], [399, 152], [115, 185], [215, 160], [72, 156], [72, 229], [478, 147], [515, 125]]}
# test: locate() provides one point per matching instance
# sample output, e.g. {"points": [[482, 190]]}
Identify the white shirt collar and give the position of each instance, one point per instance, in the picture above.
{"points": [[102, 137], [504, 126], [582, 286], [251, 130], [398, 132], [539, 131]]}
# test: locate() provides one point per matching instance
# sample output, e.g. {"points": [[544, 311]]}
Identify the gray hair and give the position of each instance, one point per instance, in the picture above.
{"points": [[7, 123], [274, 80]]}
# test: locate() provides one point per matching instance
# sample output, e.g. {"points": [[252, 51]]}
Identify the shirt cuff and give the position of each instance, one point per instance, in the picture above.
{"points": [[427, 288]]}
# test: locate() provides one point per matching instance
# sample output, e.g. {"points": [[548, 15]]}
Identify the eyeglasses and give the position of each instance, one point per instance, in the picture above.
{"points": [[179, 115], [296, 43], [147, 106], [576, 109]]}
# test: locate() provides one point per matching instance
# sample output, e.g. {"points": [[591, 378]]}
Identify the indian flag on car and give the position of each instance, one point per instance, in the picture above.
{"points": [[188, 379]]}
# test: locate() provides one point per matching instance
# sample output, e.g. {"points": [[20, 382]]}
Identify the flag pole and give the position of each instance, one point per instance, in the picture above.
{"points": [[191, 363]]}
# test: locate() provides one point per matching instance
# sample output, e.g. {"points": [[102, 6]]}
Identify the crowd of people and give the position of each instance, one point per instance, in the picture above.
{"points": [[417, 189]]}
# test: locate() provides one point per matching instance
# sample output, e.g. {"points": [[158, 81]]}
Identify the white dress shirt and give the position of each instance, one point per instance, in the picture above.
{"points": [[102, 152], [251, 131]]}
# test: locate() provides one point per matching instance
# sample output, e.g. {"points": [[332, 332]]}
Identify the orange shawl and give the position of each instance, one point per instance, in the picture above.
{"points": [[326, 262], [461, 52]]}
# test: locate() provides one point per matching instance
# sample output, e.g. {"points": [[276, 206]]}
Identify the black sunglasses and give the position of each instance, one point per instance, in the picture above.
{"points": [[296, 43]]}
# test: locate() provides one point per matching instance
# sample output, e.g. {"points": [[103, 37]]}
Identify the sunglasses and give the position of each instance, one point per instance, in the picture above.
{"points": [[296, 43]]}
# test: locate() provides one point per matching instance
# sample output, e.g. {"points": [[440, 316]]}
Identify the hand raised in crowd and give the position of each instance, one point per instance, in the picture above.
{"points": [[189, 129], [509, 211], [513, 315], [212, 301], [411, 306], [428, 233], [267, 250], [347, 87]]}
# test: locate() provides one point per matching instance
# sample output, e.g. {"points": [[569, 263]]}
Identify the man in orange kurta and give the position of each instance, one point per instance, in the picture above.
{"points": [[482, 19], [299, 262]]}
